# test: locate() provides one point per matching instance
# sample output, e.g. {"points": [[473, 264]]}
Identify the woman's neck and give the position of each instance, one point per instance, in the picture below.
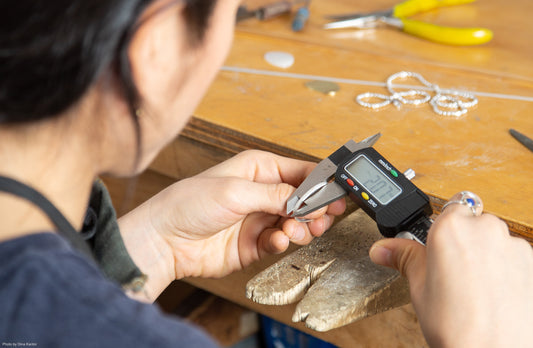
{"points": [[59, 167]]}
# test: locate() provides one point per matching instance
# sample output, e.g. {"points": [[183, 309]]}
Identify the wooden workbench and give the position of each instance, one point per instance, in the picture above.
{"points": [[249, 107]]}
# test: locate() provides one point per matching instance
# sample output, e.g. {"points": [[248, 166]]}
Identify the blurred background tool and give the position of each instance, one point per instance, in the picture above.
{"points": [[396, 17], [276, 9], [523, 139], [265, 12], [301, 17]]}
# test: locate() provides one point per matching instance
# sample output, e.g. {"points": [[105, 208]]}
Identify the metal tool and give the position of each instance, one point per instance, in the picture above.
{"points": [[265, 12], [397, 17], [276, 9], [523, 139], [384, 193]]}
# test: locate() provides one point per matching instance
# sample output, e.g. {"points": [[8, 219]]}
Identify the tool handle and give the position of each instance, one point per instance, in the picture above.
{"points": [[411, 7], [447, 35], [522, 139], [300, 18]]}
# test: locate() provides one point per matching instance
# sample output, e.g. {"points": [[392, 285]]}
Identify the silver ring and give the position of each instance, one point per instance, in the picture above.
{"points": [[469, 199]]}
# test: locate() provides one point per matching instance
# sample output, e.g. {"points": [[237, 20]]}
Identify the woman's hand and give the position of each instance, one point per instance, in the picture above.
{"points": [[231, 215], [473, 284]]}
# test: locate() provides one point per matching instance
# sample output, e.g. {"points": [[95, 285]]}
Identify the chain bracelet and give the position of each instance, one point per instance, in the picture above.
{"points": [[445, 102]]}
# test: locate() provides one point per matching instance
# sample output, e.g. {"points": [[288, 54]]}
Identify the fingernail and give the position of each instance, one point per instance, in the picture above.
{"points": [[326, 219], [380, 255], [299, 234]]}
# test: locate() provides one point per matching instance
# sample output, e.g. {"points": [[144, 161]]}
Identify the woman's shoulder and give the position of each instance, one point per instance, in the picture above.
{"points": [[53, 296]]}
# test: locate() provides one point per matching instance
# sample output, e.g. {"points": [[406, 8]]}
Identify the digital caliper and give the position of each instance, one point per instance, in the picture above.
{"points": [[383, 192]]}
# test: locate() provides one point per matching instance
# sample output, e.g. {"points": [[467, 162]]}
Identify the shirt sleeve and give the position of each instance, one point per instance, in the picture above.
{"points": [[102, 233]]}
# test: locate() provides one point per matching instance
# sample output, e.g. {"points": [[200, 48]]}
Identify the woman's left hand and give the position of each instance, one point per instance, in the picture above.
{"points": [[234, 213]]}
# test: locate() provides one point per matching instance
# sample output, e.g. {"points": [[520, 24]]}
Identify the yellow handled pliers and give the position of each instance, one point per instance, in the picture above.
{"points": [[397, 17]]}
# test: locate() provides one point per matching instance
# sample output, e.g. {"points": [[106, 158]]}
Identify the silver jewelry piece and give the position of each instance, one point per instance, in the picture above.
{"points": [[302, 199], [469, 199], [445, 102]]}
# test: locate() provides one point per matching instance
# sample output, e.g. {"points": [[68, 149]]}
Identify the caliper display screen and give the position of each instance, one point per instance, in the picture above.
{"points": [[373, 179]]}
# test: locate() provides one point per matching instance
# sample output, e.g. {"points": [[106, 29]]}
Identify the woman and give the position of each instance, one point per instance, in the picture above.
{"points": [[90, 87]]}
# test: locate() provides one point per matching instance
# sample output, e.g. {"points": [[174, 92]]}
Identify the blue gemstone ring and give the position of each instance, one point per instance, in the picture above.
{"points": [[468, 199]]}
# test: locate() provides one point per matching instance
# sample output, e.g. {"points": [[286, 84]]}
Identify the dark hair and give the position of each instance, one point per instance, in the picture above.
{"points": [[51, 52]]}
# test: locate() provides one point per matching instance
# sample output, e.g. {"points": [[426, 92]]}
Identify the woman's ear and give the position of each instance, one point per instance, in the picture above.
{"points": [[159, 52]]}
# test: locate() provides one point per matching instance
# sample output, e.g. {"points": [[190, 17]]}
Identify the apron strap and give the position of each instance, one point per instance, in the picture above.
{"points": [[64, 227]]}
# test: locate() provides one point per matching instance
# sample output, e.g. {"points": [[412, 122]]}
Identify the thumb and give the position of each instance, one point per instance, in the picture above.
{"points": [[406, 256], [259, 197]]}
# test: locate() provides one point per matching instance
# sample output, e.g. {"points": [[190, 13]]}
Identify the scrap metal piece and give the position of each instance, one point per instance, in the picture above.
{"points": [[283, 60], [326, 87]]}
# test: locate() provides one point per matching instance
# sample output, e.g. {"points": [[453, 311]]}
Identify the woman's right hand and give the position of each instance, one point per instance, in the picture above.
{"points": [[472, 286]]}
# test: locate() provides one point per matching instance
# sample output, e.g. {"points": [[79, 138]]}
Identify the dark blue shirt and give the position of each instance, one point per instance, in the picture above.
{"points": [[51, 296]]}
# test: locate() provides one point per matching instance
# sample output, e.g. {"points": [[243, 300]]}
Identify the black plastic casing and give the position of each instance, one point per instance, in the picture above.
{"points": [[396, 216]]}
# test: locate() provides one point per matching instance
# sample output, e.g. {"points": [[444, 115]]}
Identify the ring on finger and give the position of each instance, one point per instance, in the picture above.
{"points": [[469, 199]]}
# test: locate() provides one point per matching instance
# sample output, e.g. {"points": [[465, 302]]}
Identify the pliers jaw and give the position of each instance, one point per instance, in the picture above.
{"points": [[375, 14], [319, 188], [360, 21]]}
